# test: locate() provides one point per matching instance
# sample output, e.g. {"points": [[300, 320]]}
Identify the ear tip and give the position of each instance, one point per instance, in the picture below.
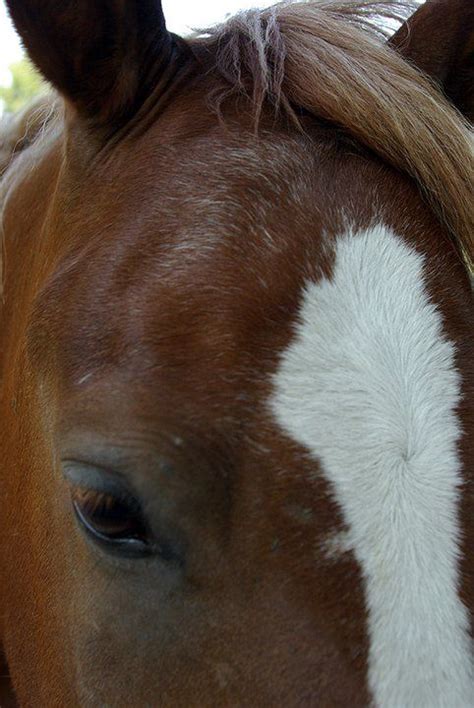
{"points": [[95, 53]]}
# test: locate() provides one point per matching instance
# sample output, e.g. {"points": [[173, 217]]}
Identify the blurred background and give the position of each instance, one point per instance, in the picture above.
{"points": [[19, 82]]}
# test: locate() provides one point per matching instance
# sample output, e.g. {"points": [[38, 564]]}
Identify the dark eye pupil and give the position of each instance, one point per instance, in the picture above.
{"points": [[108, 517]]}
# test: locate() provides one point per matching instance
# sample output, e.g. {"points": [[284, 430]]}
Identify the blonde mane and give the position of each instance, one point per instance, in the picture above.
{"points": [[19, 130], [331, 57]]}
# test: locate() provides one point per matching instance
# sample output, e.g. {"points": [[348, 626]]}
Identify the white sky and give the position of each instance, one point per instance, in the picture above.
{"points": [[181, 16]]}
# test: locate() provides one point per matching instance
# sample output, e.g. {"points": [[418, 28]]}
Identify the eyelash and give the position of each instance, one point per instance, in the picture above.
{"points": [[114, 521], [95, 500], [127, 534]]}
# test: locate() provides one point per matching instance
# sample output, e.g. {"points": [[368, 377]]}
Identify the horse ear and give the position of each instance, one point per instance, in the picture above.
{"points": [[105, 56], [439, 39]]}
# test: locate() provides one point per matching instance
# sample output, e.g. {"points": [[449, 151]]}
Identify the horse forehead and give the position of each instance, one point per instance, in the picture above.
{"points": [[198, 254], [173, 304], [201, 251]]}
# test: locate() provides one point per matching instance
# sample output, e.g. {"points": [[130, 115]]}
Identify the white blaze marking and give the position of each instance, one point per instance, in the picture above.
{"points": [[369, 387]]}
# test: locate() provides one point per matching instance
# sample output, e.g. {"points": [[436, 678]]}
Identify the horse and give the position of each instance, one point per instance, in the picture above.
{"points": [[237, 358]]}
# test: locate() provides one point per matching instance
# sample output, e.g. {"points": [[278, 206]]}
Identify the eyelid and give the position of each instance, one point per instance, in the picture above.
{"points": [[97, 453], [100, 479]]}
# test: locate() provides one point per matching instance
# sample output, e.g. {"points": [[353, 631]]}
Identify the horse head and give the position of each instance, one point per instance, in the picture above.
{"points": [[236, 356]]}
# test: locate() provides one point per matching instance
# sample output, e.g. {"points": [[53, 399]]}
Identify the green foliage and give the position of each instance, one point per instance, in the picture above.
{"points": [[26, 84]]}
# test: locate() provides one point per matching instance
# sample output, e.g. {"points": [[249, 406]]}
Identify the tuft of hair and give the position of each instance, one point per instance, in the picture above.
{"points": [[332, 58], [19, 130]]}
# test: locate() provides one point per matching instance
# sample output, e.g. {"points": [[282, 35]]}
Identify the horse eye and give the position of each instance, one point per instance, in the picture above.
{"points": [[114, 522]]}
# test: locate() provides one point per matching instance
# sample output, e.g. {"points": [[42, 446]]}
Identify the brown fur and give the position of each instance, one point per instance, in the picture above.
{"points": [[330, 58], [154, 268]]}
